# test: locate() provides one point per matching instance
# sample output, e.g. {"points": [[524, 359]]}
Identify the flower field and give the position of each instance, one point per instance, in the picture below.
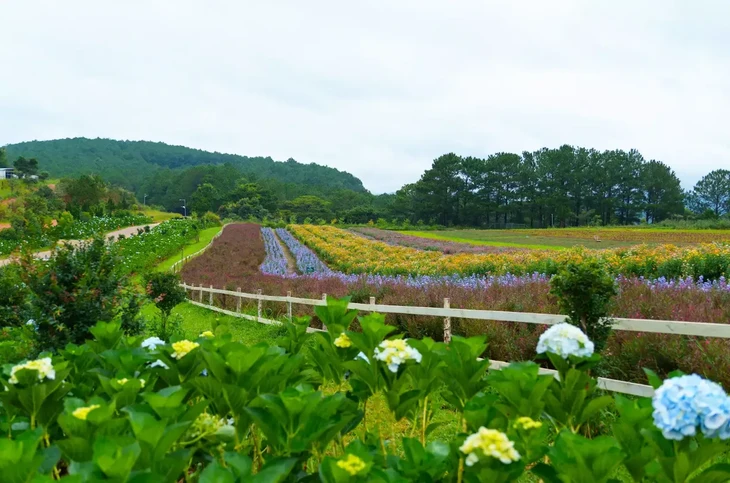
{"points": [[638, 235], [349, 253], [421, 243], [235, 257]]}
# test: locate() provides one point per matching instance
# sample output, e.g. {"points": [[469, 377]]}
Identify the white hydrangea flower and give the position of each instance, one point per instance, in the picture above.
{"points": [[151, 343], [43, 366], [565, 340], [396, 352]]}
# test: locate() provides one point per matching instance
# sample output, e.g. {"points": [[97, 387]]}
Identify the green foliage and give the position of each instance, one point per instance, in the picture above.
{"points": [[14, 307], [25, 168], [72, 291], [163, 289], [584, 292], [214, 410], [712, 192]]}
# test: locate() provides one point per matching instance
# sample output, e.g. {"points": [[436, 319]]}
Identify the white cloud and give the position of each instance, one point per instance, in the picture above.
{"points": [[375, 88]]}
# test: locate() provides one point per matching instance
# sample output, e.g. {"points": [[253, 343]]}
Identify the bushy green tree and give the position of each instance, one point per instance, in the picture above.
{"points": [[75, 289], [163, 289], [584, 291]]}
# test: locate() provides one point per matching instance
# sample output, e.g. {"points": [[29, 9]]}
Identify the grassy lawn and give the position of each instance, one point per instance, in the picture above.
{"points": [[160, 216], [514, 238], [196, 320]]}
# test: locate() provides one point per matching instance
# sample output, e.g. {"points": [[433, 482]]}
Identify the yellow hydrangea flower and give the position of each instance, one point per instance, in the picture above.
{"points": [[491, 443], [207, 334], [182, 348], [122, 381], [343, 342], [527, 423], [352, 464], [82, 413]]}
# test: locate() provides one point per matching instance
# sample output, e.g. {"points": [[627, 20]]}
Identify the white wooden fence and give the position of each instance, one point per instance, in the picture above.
{"points": [[702, 329]]}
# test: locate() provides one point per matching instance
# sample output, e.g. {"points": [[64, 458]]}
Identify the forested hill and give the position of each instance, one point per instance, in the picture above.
{"points": [[131, 163]]}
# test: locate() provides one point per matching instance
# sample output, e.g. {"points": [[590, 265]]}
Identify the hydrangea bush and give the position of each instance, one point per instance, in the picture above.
{"points": [[129, 409]]}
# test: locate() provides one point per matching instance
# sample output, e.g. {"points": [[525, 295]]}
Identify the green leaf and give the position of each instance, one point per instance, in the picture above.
{"points": [[275, 470], [215, 473], [719, 473]]}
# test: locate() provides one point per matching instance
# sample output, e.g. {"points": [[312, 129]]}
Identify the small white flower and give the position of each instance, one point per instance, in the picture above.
{"points": [[158, 363], [152, 342], [361, 355]]}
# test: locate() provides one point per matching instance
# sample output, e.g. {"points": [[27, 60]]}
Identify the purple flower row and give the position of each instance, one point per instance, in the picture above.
{"points": [[275, 262], [307, 261]]}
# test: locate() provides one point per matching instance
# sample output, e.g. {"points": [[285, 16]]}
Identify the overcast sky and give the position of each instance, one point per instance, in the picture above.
{"points": [[376, 88]]}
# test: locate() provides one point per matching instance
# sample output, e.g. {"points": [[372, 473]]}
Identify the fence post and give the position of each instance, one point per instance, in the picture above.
{"points": [[238, 300], [372, 300], [324, 297], [447, 323], [288, 305], [260, 306], [210, 299], [200, 295]]}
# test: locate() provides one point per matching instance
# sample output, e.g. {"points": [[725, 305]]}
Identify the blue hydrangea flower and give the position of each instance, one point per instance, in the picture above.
{"points": [[565, 340], [683, 403]]}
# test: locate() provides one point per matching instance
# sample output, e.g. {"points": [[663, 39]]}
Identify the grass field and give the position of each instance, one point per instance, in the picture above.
{"points": [[160, 216], [561, 238]]}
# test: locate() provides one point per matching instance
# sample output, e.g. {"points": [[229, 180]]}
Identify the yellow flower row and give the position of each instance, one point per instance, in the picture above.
{"points": [[349, 253]]}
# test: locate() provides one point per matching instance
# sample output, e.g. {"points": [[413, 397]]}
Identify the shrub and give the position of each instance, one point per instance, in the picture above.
{"points": [[14, 308], [210, 219], [163, 288], [71, 292], [584, 292]]}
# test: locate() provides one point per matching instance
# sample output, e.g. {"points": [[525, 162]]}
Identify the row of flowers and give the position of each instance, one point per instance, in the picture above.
{"points": [[213, 409], [353, 254], [307, 261], [275, 262]]}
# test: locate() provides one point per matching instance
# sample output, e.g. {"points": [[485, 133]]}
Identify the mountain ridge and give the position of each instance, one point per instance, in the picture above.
{"points": [[114, 159]]}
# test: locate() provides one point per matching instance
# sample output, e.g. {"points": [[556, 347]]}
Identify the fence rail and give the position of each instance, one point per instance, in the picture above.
{"points": [[700, 329]]}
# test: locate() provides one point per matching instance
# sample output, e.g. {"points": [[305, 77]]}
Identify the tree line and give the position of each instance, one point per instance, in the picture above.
{"points": [[567, 186]]}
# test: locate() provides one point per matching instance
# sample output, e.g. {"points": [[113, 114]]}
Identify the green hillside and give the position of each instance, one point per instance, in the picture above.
{"points": [[132, 164]]}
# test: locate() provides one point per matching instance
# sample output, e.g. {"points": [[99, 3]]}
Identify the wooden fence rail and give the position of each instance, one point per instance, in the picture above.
{"points": [[700, 329]]}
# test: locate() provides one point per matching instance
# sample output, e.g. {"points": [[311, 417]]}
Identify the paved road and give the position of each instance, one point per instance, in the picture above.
{"points": [[45, 254]]}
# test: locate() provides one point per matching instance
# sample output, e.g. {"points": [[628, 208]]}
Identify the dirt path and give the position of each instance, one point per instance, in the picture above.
{"points": [[46, 254], [290, 260]]}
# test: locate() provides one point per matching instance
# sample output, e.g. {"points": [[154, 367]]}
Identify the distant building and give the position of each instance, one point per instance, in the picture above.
{"points": [[7, 173]]}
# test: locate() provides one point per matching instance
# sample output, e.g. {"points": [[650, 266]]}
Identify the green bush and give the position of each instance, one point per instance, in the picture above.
{"points": [[163, 289], [71, 292], [584, 292]]}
